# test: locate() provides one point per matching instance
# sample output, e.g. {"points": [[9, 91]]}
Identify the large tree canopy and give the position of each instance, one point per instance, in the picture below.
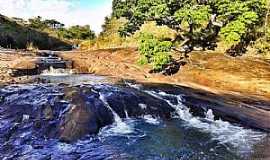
{"points": [[232, 20], [202, 24]]}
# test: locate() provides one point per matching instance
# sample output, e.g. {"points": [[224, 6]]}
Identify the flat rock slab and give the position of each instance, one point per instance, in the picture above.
{"points": [[248, 111]]}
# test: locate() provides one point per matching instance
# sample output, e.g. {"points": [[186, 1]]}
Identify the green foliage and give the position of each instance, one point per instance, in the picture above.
{"points": [[241, 18], [123, 8], [154, 51], [56, 28], [110, 36], [231, 21], [38, 23], [77, 32], [19, 36], [233, 32], [262, 45], [160, 32], [195, 16]]}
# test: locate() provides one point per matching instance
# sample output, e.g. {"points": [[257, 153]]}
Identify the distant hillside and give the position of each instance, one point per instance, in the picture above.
{"points": [[18, 36]]}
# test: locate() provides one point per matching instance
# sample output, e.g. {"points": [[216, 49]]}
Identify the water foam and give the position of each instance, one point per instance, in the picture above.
{"points": [[136, 86], [225, 133], [126, 114], [151, 120], [119, 126], [56, 72]]}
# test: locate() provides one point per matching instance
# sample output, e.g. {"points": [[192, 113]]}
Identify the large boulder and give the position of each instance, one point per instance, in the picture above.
{"points": [[79, 120]]}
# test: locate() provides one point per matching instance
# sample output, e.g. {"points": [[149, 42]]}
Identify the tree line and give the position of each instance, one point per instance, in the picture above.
{"points": [[55, 27]]}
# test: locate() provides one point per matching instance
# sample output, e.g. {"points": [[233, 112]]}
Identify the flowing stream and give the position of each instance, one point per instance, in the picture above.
{"points": [[138, 130]]}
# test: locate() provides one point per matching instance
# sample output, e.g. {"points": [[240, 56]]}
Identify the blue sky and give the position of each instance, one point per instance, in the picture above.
{"points": [[93, 3], [69, 12]]}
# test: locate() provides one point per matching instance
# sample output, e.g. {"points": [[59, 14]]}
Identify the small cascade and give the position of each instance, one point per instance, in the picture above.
{"points": [[222, 131], [151, 120], [126, 114], [210, 115], [119, 126], [56, 72], [181, 111]]}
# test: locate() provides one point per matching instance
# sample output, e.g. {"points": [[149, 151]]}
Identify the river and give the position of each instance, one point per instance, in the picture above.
{"points": [[134, 121]]}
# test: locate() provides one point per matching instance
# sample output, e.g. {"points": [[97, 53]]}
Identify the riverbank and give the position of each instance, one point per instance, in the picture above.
{"points": [[13, 59], [237, 88], [213, 72]]}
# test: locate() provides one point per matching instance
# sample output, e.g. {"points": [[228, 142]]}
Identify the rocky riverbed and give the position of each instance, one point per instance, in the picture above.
{"points": [[94, 119], [17, 67], [243, 81], [74, 109]]}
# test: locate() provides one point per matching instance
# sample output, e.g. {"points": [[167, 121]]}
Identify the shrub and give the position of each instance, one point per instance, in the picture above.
{"points": [[262, 47], [154, 51], [160, 32], [110, 37]]}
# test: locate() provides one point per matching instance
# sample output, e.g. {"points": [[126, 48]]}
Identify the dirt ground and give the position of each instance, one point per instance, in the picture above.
{"points": [[211, 71]]}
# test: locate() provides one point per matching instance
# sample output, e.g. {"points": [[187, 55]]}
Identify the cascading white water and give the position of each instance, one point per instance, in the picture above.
{"points": [[224, 132], [209, 115], [56, 72], [119, 126], [150, 119], [126, 114]]}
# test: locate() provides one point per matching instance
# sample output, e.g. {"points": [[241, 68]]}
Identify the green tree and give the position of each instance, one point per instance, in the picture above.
{"points": [[54, 24], [123, 8], [77, 32], [37, 23], [154, 51], [234, 21], [241, 18]]}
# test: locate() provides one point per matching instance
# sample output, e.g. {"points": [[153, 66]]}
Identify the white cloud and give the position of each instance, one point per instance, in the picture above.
{"points": [[66, 11]]}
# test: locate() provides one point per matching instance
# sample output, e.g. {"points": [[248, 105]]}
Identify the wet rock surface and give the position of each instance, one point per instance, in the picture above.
{"points": [[55, 120], [236, 109], [71, 113], [34, 65]]}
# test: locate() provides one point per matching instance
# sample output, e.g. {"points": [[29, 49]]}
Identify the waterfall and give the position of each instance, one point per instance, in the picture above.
{"points": [[56, 72], [119, 126]]}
